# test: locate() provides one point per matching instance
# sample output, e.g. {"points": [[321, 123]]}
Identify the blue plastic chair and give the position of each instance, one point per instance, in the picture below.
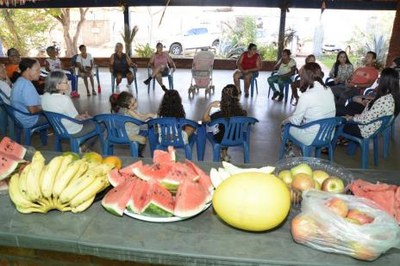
{"points": [[170, 77], [167, 131], [27, 131], [253, 83], [364, 142], [117, 134], [286, 88], [61, 133], [324, 138], [388, 133], [237, 133], [75, 73], [134, 71]]}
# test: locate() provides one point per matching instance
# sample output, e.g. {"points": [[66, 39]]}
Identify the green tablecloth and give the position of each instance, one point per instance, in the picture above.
{"points": [[201, 240]]}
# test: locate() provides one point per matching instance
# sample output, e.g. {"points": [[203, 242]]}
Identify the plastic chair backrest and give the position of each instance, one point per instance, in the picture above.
{"points": [[115, 124], [327, 127], [55, 120], [169, 130], [236, 129], [11, 112]]}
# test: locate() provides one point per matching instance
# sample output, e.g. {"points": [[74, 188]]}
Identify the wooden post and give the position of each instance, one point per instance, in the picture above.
{"points": [[282, 22]]}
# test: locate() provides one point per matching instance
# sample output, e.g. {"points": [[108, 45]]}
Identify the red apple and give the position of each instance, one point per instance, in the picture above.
{"points": [[338, 206], [304, 228], [360, 216], [302, 182], [362, 252], [333, 184]]}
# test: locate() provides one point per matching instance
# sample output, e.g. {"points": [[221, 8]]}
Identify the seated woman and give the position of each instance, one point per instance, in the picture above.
{"points": [[5, 93], [160, 63], [286, 68], [341, 70], [12, 67], [171, 106], [126, 104], [24, 95], [386, 102], [295, 85], [317, 102], [228, 106], [249, 63], [55, 100], [119, 66]]}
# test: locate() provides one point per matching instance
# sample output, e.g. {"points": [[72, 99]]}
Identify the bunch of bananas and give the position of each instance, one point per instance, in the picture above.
{"points": [[64, 184]]}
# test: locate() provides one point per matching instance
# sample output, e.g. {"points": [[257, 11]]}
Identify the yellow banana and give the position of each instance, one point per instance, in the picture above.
{"points": [[89, 192], [61, 181], [51, 171], [75, 187], [39, 209], [33, 177], [83, 167], [61, 207], [83, 206], [16, 195], [22, 180]]}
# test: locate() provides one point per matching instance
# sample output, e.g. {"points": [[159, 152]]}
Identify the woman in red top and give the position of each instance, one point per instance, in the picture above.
{"points": [[248, 65]]}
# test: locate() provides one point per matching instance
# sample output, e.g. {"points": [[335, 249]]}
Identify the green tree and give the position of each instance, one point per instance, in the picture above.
{"points": [[24, 29]]}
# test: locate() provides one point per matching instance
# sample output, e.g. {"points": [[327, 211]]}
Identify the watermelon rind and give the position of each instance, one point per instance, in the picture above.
{"points": [[8, 164], [172, 186], [116, 199], [153, 209]]}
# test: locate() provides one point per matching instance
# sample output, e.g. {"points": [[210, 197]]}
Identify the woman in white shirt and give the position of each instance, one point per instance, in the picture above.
{"points": [[55, 100], [317, 102]]}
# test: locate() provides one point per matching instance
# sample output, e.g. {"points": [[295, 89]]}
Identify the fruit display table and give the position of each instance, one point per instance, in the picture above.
{"points": [[201, 240]]}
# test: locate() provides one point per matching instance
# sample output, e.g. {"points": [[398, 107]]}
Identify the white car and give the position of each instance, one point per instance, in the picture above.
{"points": [[192, 39], [331, 48]]}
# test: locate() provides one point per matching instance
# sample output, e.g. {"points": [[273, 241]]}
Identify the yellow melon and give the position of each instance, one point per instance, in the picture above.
{"points": [[252, 201]]}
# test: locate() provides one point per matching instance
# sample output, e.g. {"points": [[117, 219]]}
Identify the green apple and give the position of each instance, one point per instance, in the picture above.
{"points": [[286, 177], [302, 168], [319, 176], [333, 184]]}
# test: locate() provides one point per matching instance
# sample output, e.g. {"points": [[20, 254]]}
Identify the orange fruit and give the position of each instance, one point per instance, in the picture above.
{"points": [[114, 161]]}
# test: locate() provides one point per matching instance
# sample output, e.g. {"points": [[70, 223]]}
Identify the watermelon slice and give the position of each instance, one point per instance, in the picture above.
{"points": [[8, 164], [178, 173], [190, 199], [204, 179], [117, 177], [156, 171], [159, 201], [10, 147], [139, 196], [116, 199], [161, 156]]}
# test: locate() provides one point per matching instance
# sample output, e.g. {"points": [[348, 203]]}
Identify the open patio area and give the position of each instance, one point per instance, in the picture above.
{"points": [[265, 138]]}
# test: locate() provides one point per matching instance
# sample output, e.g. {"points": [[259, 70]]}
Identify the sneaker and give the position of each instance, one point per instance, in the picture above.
{"points": [[227, 158], [276, 94], [94, 93], [280, 98], [147, 81], [129, 87], [164, 88], [75, 94]]}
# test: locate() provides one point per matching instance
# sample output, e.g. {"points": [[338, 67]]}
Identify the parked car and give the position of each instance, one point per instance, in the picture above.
{"points": [[192, 39], [328, 47]]}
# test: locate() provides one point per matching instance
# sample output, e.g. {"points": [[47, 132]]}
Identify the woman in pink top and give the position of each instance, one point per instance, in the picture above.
{"points": [[160, 64], [248, 65]]}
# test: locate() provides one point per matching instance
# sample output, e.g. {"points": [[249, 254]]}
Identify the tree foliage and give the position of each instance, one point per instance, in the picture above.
{"points": [[24, 29]]}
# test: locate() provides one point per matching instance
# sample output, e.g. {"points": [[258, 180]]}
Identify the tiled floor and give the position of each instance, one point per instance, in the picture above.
{"points": [[265, 139]]}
